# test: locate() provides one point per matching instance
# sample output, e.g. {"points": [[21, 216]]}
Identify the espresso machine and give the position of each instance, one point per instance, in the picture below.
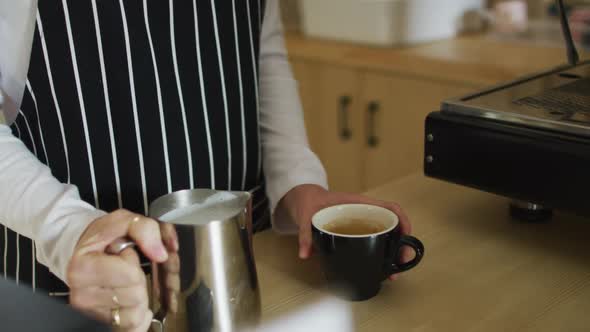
{"points": [[528, 139]]}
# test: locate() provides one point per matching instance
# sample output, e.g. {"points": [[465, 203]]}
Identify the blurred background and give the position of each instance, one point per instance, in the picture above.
{"points": [[540, 15], [370, 71]]}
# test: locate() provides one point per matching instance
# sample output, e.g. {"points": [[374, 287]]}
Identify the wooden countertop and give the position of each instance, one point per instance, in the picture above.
{"points": [[472, 60], [482, 271]]}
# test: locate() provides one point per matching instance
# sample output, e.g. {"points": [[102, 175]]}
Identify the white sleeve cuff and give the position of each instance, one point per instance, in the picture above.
{"points": [[63, 243], [306, 170]]}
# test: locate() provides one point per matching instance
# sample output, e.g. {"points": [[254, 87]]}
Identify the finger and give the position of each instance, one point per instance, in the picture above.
{"points": [[406, 226], [171, 289], [172, 282], [156, 290], [146, 233], [131, 318], [104, 231], [172, 265], [169, 237], [130, 256], [149, 315], [305, 240], [92, 297], [98, 269], [407, 254], [134, 318], [171, 273], [172, 302]]}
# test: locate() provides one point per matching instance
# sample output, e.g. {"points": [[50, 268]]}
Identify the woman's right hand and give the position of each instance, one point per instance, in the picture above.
{"points": [[106, 286]]}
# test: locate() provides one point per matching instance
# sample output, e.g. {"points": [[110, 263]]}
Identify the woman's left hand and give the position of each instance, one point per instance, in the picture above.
{"points": [[303, 201]]}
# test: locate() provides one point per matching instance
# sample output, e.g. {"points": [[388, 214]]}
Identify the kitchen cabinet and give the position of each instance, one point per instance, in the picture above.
{"points": [[366, 127], [394, 112], [365, 106], [304, 74], [340, 134], [330, 98]]}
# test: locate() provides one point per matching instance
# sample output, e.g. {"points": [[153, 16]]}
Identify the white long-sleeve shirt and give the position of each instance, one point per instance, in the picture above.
{"points": [[35, 204]]}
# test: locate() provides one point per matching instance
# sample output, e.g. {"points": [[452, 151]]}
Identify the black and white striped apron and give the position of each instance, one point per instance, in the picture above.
{"points": [[133, 99]]}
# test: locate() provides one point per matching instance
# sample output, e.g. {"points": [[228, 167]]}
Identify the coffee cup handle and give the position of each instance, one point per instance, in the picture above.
{"points": [[412, 242]]}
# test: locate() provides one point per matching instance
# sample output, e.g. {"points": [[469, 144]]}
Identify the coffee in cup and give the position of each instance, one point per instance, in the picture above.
{"points": [[354, 226]]}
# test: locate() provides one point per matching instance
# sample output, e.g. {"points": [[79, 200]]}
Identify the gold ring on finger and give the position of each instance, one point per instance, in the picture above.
{"points": [[116, 300], [116, 317]]}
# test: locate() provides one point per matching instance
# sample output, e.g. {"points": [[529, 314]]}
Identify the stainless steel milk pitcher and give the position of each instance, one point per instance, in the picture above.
{"points": [[210, 284]]}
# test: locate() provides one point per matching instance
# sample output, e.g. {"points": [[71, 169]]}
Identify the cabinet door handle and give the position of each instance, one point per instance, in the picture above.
{"points": [[344, 129], [372, 110]]}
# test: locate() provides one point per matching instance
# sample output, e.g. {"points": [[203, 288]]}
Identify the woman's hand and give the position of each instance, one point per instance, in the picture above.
{"points": [[303, 201], [112, 288]]}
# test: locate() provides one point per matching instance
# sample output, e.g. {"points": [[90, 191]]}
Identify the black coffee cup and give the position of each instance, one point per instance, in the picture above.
{"points": [[359, 246]]}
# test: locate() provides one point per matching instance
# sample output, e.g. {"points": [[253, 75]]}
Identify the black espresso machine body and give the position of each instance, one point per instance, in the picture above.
{"points": [[528, 140]]}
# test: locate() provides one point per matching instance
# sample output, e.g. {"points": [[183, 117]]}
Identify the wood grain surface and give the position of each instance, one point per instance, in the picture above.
{"points": [[482, 271]]}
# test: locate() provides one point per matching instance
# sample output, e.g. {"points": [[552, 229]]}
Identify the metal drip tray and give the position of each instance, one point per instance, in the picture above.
{"points": [[557, 100], [570, 102]]}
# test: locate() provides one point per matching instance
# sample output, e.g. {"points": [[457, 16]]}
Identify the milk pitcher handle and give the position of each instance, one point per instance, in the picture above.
{"points": [[115, 248]]}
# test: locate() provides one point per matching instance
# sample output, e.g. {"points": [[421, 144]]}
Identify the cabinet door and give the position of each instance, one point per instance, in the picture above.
{"points": [[394, 112], [304, 73], [341, 123]]}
